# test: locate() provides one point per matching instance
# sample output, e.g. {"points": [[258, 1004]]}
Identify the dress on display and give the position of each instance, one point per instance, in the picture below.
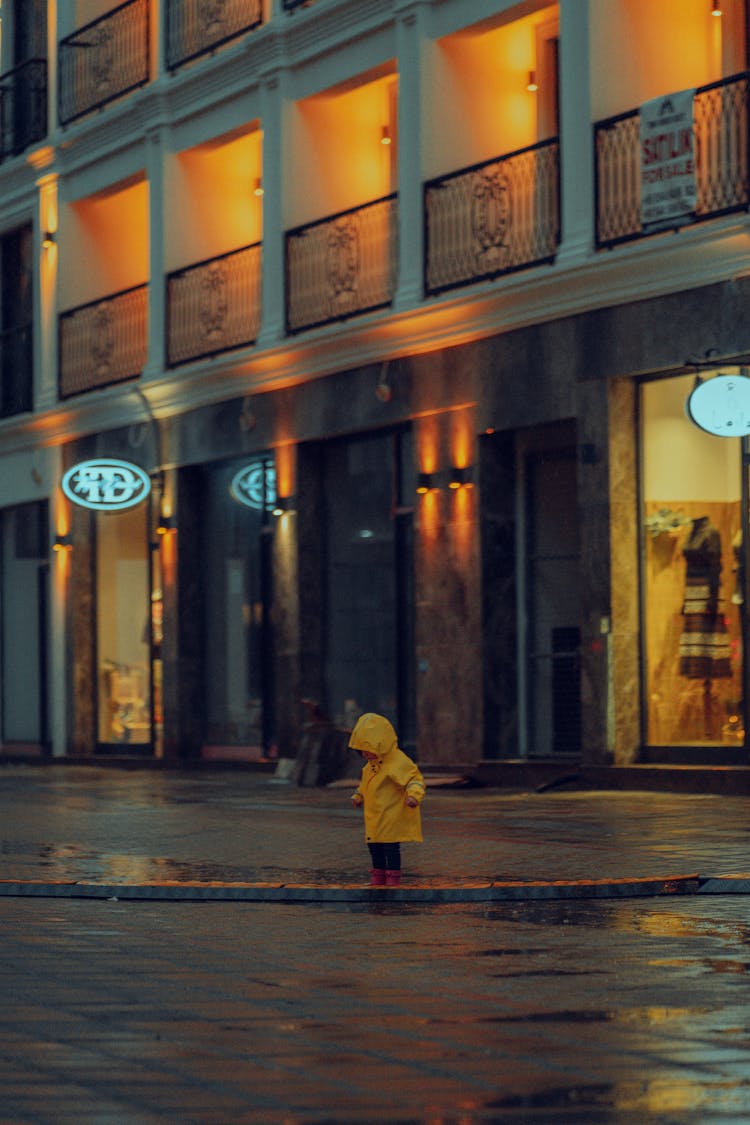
{"points": [[704, 644]]}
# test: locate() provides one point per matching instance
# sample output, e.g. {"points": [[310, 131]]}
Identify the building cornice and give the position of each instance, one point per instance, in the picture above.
{"points": [[696, 257]]}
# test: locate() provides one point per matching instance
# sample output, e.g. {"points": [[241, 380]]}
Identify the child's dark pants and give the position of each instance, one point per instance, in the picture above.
{"points": [[385, 857]]}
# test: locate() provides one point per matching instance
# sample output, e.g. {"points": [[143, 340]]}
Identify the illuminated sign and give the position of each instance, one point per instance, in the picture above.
{"points": [[106, 485], [721, 405], [255, 485]]}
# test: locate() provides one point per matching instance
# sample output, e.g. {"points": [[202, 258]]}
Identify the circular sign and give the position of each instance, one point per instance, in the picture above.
{"points": [[106, 484], [255, 485], [721, 405]]}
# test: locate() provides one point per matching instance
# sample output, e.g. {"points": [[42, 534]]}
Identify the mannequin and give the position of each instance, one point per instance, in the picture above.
{"points": [[704, 644]]}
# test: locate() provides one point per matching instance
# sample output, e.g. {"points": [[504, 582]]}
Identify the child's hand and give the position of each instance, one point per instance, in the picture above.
{"points": [[412, 802], [356, 799]]}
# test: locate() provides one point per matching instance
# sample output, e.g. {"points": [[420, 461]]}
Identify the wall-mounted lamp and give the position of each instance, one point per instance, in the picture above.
{"points": [[63, 542], [532, 85], [166, 524], [715, 8], [385, 135], [48, 239], [461, 477], [426, 482], [283, 505], [258, 187]]}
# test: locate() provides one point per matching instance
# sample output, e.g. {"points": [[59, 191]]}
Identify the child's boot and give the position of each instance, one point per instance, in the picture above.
{"points": [[377, 877], [393, 878]]}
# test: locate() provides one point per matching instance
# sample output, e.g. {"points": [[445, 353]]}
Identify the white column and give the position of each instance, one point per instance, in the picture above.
{"points": [[58, 592], [410, 44], [576, 131], [155, 174], [273, 319], [45, 322]]}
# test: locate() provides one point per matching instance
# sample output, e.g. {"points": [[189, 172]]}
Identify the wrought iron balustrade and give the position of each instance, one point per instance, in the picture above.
{"points": [[103, 342], [23, 107], [721, 123], [16, 370], [103, 60], [196, 27], [342, 265], [492, 218], [214, 306]]}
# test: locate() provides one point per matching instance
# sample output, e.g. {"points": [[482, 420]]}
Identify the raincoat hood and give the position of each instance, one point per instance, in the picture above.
{"points": [[374, 734]]}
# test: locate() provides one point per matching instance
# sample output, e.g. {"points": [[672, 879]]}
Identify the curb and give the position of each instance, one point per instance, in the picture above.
{"points": [[355, 893]]}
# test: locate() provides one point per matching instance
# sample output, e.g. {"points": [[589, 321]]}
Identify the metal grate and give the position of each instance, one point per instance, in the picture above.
{"points": [[103, 60], [196, 27], [492, 218], [720, 119], [214, 306], [104, 342], [23, 107], [341, 266]]}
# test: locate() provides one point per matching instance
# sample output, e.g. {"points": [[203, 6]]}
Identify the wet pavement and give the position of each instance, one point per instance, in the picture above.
{"points": [[572, 1011]]}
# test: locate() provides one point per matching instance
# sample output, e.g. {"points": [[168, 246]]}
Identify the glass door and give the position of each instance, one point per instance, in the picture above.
{"points": [[123, 631], [25, 578]]}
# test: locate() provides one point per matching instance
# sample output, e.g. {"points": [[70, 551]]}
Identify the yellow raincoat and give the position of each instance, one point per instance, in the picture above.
{"points": [[387, 780]]}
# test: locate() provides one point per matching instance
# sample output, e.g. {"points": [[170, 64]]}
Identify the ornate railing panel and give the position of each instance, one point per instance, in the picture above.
{"points": [[104, 342], [341, 266], [493, 218], [721, 123], [195, 27], [214, 306], [23, 107], [103, 60], [16, 371]]}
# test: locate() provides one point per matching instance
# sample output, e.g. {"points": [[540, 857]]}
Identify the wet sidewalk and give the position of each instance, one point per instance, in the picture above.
{"points": [[245, 836]]}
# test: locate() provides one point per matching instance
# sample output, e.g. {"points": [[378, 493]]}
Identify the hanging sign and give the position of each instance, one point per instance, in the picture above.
{"points": [[255, 485], [668, 187], [106, 484], [721, 405]]}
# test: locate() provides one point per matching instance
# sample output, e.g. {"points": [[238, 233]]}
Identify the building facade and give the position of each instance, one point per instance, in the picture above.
{"points": [[350, 354]]}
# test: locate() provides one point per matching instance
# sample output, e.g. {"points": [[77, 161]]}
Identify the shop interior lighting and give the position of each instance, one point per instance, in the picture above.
{"points": [[258, 188], [532, 85], [63, 542], [385, 135], [425, 482], [716, 8]]}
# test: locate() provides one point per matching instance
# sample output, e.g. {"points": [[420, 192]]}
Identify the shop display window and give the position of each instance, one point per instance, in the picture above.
{"points": [[123, 617], [693, 581], [237, 502]]}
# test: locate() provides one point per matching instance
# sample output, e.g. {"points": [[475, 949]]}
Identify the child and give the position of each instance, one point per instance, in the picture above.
{"points": [[391, 791]]}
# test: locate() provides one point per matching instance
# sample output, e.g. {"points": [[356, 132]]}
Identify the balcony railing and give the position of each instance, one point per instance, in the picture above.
{"points": [[214, 306], [720, 119], [493, 218], [103, 60], [16, 371], [341, 266], [290, 5], [195, 27], [103, 342], [23, 107]]}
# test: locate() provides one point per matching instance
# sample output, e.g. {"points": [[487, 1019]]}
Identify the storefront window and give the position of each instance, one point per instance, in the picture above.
{"points": [[123, 627], [369, 639], [238, 498], [693, 596]]}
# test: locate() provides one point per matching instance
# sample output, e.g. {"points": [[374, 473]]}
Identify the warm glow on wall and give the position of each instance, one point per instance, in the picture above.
{"points": [[331, 176], [285, 455]]}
